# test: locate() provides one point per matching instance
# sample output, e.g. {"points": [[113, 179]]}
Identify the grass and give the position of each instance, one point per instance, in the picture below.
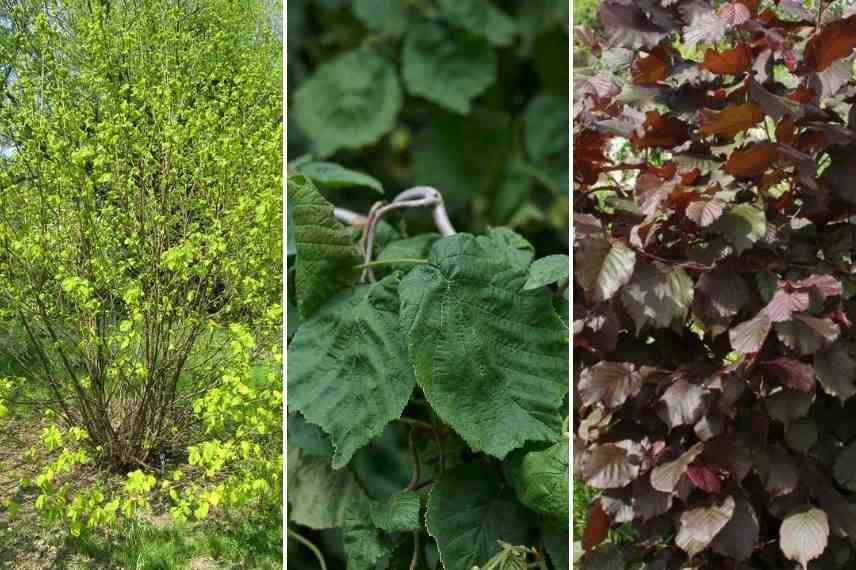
{"points": [[240, 541], [254, 542], [583, 497]]}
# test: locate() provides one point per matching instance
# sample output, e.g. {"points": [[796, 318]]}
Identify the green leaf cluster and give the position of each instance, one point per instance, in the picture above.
{"points": [[467, 96], [426, 407]]}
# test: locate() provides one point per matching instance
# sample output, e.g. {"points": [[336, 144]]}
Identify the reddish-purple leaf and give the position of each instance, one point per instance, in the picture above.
{"points": [[683, 404], [749, 336], [779, 473], [785, 405], [659, 131], [729, 62], [836, 371], [732, 120], [807, 334], [835, 41], [597, 526], [611, 465], [650, 502], [803, 535], [705, 212], [627, 25], [791, 373], [752, 162], [609, 384], [700, 525], [602, 267], [739, 537], [664, 478], [785, 303], [703, 477]]}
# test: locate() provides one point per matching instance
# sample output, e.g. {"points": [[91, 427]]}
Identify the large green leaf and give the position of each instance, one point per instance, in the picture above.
{"points": [[469, 510], [318, 495], [555, 535], [350, 101], [416, 247], [548, 270], [400, 513], [363, 541], [547, 138], [509, 246], [348, 369], [309, 437], [447, 68], [325, 254], [388, 17], [332, 175], [542, 482], [490, 357], [480, 17]]}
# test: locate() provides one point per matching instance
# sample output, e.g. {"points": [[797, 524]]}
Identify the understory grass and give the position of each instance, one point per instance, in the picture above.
{"points": [[583, 497], [247, 540]]}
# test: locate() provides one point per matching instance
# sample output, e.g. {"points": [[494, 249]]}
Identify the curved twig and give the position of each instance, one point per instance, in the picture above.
{"points": [[308, 544], [416, 197], [414, 460], [350, 218], [415, 560]]}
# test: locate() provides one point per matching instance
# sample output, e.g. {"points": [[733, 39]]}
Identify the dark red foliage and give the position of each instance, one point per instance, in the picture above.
{"points": [[715, 282]]}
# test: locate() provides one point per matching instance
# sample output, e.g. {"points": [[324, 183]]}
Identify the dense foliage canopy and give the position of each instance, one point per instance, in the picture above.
{"points": [[714, 283], [140, 250]]}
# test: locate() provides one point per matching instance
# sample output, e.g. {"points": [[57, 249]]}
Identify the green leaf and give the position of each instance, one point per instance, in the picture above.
{"points": [[546, 137], [446, 68], [348, 369], [309, 437], [542, 482], [331, 175], [350, 101], [548, 270], [490, 357], [416, 247], [556, 535], [319, 495], [325, 254], [742, 225], [387, 17], [509, 246], [535, 16], [363, 542], [400, 513], [459, 156], [469, 510], [481, 18]]}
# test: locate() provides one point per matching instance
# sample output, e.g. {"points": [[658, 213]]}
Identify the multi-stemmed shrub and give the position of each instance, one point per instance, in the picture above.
{"points": [[140, 246], [714, 203]]}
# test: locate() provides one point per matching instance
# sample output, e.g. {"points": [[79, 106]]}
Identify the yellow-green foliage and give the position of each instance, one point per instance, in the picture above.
{"points": [[141, 251]]}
